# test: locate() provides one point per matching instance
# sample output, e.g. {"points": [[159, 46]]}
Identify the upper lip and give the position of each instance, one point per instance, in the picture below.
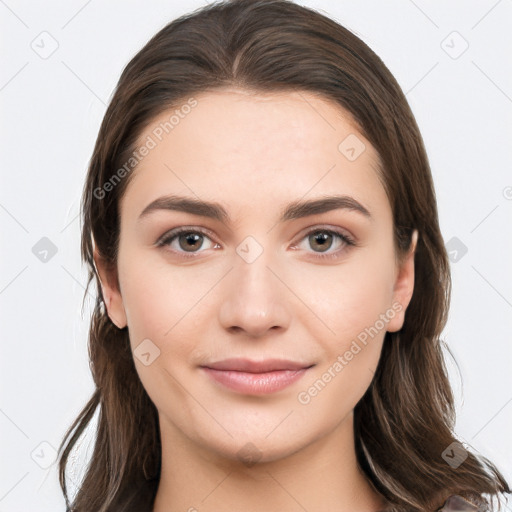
{"points": [[246, 365]]}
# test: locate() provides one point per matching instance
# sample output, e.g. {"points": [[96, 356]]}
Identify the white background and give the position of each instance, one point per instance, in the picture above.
{"points": [[51, 112]]}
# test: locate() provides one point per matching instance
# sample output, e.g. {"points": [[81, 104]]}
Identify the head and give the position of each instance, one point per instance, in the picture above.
{"points": [[228, 122], [248, 284]]}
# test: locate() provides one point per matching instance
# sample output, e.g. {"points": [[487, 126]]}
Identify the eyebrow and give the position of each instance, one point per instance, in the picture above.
{"points": [[294, 210]]}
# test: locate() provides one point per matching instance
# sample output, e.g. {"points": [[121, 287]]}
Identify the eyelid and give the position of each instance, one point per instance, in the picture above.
{"points": [[327, 227], [171, 233]]}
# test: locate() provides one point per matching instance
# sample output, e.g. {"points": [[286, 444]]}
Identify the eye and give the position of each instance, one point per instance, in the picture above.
{"points": [[188, 240], [324, 239]]}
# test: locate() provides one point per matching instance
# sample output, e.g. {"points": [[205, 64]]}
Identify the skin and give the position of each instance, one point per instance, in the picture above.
{"points": [[255, 153]]}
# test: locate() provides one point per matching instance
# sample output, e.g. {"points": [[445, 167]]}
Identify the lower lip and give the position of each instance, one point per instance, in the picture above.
{"points": [[255, 383]]}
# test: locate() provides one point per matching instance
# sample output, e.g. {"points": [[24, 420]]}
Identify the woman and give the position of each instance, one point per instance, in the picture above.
{"points": [[261, 223]]}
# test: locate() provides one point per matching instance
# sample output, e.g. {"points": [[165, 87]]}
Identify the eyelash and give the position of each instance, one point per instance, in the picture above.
{"points": [[170, 236]]}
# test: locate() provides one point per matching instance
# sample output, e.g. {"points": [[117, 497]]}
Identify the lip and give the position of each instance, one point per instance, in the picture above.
{"points": [[256, 377], [247, 365]]}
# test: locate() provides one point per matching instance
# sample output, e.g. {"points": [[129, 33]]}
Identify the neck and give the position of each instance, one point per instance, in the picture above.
{"points": [[321, 476]]}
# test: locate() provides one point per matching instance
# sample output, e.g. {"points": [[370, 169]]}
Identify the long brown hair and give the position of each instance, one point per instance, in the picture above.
{"points": [[404, 422]]}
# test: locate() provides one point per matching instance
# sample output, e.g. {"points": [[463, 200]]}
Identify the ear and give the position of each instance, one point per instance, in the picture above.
{"points": [[404, 287], [110, 290]]}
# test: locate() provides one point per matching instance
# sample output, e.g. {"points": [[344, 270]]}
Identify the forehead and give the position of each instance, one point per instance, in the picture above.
{"points": [[244, 150]]}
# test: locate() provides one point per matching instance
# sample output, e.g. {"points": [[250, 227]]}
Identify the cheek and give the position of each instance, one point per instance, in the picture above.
{"points": [[166, 304], [356, 309], [153, 299], [349, 297], [159, 305]]}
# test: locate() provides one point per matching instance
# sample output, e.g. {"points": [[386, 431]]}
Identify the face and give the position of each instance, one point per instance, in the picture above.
{"points": [[261, 327]]}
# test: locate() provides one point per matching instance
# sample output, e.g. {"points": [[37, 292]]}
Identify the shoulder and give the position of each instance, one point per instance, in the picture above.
{"points": [[456, 503]]}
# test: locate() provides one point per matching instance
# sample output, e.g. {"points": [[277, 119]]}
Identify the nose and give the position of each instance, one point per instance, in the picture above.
{"points": [[255, 300]]}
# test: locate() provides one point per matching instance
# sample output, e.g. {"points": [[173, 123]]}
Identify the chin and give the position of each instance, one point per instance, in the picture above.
{"points": [[255, 446]]}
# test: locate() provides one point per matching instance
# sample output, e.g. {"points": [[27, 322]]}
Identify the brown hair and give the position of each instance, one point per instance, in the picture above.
{"points": [[405, 420]]}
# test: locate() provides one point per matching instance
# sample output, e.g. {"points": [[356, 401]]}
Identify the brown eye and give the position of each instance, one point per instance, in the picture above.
{"points": [[188, 241], [321, 239]]}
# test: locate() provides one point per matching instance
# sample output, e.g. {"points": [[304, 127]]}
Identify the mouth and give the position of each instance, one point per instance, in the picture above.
{"points": [[256, 377]]}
